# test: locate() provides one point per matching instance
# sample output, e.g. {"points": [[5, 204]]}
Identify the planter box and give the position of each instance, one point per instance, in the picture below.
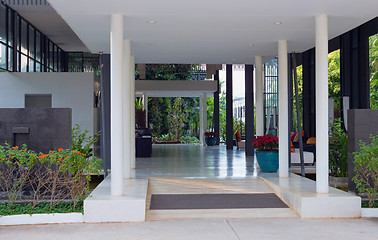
{"points": [[42, 218], [338, 182], [369, 212]]}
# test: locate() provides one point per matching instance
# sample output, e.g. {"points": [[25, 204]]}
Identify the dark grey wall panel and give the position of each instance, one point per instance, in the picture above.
{"points": [[361, 123], [42, 129]]}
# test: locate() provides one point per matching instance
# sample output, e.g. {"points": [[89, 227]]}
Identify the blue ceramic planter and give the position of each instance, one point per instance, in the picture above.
{"points": [[268, 160], [210, 141]]}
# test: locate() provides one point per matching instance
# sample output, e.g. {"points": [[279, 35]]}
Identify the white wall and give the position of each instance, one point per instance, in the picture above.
{"points": [[68, 89]]}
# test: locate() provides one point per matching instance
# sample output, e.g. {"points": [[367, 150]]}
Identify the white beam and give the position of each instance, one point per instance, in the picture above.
{"points": [[126, 109], [116, 118], [321, 94], [283, 108], [132, 98], [259, 97]]}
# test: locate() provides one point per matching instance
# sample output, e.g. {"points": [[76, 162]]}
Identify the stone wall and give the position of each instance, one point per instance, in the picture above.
{"points": [[42, 129]]}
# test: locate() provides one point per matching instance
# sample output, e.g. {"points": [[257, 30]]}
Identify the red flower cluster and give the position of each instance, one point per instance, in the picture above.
{"points": [[265, 143], [211, 134]]}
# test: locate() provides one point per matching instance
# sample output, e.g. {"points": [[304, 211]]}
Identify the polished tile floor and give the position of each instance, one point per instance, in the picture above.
{"points": [[195, 161]]}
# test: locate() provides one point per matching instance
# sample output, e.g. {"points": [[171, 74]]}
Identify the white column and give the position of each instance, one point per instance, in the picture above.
{"points": [[321, 94], [145, 107], [132, 122], [204, 115], [259, 97], [126, 109], [201, 132], [283, 110], [116, 118]]}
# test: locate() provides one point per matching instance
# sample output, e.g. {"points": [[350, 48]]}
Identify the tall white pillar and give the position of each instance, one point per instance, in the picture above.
{"points": [[283, 110], [132, 122], [321, 94], [116, 117], [204, 115], [126, 109], [259, 97], [145, 107], [201, 132]]}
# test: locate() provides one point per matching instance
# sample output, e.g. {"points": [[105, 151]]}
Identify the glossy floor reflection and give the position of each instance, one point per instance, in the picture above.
{"points": [[188, 160]]}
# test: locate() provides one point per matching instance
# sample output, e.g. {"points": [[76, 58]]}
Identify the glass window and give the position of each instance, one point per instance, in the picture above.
{"points": [[51, 55], [3, 29], [38, 67], [31, 65], [38, 46], [10, 28], [24, 37], [55, 58], [24, 63], [17, 30], [3, 56], [10, 59], [31, 42]]}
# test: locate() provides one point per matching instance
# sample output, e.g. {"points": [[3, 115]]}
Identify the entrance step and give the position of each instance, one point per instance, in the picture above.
{"points": [[169, 199]]}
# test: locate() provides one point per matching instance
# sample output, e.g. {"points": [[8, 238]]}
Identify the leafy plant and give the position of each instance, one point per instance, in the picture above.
{"points": [[338, 150], [53, 176], [366, 169], [43, 207], [188, 139], [82, 142]]}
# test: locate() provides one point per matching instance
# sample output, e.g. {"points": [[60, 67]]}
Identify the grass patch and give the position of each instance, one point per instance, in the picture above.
{"points": [[44, 207], [366, 205]]}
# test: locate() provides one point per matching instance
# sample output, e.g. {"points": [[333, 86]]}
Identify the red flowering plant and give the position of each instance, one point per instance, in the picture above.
{"points": [[211, 134], [265, 143]]}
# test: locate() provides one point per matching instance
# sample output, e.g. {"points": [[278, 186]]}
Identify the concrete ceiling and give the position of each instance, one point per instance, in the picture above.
{"points": [[45, 19], [208, 31]]}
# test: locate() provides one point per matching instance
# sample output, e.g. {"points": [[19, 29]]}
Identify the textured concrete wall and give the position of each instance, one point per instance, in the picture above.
{"points": [[42, 129], [361, 124]]}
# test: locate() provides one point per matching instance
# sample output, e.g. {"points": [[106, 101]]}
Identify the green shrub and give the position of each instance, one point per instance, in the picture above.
{"points": [[366, 168], [53, 176], [189, 139], [338, 150]]}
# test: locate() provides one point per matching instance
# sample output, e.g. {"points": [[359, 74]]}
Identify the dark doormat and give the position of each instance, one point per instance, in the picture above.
{"points": [[215, 201]]}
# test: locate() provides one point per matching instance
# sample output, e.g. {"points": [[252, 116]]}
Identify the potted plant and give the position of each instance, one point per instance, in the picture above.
{"points": [[211, 138], [266, 152], [366, 170]]}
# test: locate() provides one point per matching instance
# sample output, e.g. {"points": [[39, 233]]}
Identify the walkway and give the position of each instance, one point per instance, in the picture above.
{"points": [[271, 228], [195, 161]]}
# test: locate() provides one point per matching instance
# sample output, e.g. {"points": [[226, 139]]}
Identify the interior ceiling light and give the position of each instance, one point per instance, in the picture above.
{"points": [[234, 59], [251, 45], [151, 21], [278, 23]]}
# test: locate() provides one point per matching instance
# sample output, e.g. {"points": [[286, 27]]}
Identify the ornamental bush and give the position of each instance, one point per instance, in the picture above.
{"points": [[366, 169], [61, 174]]}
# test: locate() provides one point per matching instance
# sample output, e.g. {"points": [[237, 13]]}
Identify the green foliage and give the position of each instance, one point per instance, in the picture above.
{"points": [[373, 64], [366, 169], [165, 137], [43, 207], [56, 175], [169, 71], [338, 150], [300, 94], [239, 125], [138, 103], [189, 139], [82, 142]]}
